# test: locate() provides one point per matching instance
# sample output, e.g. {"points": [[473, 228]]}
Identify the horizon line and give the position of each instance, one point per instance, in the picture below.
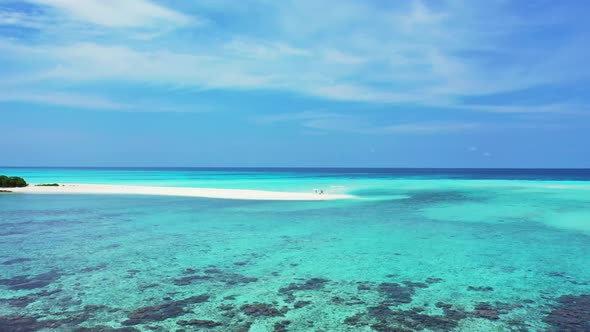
{"points": [[305, 167]]}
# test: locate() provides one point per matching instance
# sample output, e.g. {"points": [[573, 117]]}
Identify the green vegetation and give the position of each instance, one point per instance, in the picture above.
{"points": [[47, 185], [12, 181]]}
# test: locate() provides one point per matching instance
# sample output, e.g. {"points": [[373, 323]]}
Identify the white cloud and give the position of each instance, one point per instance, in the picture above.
{"points": [[356, 124], [94, 62], [340, 50], [93, 102], [63, 99], [263, 50], [118, 13], [419, 14], [430, 127], [21, 20], [562, 108], [335, 56], [286, 117], [353, 92]]}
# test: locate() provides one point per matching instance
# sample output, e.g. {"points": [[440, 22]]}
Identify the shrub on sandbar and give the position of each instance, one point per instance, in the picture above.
{"points": [[12, 181]]}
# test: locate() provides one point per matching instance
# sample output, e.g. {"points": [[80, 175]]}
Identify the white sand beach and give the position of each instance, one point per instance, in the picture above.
{"points": [[81, 188]]}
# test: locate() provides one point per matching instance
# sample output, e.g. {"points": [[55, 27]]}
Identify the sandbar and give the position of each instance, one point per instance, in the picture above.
{"points": [[115, 189]]}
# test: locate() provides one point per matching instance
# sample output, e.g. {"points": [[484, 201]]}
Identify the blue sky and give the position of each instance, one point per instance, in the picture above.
{"points": [[295, 83]]}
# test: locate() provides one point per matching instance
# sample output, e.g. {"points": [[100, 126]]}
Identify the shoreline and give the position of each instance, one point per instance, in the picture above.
{"points": [[115, 189]]}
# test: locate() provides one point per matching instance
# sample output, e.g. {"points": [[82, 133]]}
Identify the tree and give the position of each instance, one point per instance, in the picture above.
{"points": [[12, 181]]}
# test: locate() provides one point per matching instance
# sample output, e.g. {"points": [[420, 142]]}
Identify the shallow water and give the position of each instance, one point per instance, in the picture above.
{"points": [[413, 252]]}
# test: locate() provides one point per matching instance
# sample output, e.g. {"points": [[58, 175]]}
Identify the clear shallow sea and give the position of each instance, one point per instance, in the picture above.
{"points": [[430, 250]]}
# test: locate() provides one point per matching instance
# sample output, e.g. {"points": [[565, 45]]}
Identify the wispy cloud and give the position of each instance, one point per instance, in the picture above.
{"points": [[63, 99], [287, 117], [431, 127], [327, 121], [358, 126], [22, 20], [91, 62], [336, 56], [91, 102], [114, 13], [262, 49], [416, 52], [522, 108]]}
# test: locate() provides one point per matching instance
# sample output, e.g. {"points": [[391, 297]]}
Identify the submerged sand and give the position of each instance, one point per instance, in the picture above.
{"points": [[81, 188]]}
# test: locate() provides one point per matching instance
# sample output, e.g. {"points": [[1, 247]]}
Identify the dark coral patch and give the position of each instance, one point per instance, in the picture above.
{"points": [[106, 329], [16, 323], [212, 271], [199, 323], [355, 320], [19, 323], [415, 319], [301, 304], [19, 302], [245, 327], [68, 321], [337, 300], [163, 311], [281, 326], [485, 311], [16, 261], [185, 281], [383, 327], [311, 284], [390, 320], [557, 274], [455, 314], [420, 321], [571, 313], [31, 282], [480, 289], [239, 279], [12, 233], [381, 312], [226, 307], [415, 284], [433, 280], [443, 305], [98, 267], [216, 275], [395, 293], [363, 287], [23, 301], [260, 310]]}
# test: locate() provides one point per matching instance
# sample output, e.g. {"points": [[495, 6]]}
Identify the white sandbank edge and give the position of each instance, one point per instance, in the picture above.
{"points": [[110, 189]]}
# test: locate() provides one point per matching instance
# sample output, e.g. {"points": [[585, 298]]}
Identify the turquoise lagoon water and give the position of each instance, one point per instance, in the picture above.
{"points": [[418, 250]]}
